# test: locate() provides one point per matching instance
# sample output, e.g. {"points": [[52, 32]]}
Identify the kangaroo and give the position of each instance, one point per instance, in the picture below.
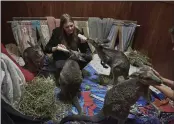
{"points": [[117, 60], [33, 57], [70, 80], [120, 98]]}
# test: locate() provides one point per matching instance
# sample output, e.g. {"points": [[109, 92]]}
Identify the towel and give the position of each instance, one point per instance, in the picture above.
{"points": [[52, 23], [107, 25], [95, 28], [57, 22], [45, 34], [112, 36]]}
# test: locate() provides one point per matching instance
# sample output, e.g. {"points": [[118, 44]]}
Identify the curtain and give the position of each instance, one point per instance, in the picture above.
{"points": [[113, 36], [126, 35], [95, 27], [108, 28]]}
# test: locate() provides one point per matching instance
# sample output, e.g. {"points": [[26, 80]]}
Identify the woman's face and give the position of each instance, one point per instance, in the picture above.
{"points": [[69, 27]]}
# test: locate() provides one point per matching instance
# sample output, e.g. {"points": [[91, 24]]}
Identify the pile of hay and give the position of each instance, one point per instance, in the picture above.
{"points": [[137, 58], [86, 73], [39, 100]]}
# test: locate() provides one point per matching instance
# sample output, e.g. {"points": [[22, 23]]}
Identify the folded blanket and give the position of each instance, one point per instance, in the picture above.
{"points": [[12, 81], [13, 50], [28, 75]]}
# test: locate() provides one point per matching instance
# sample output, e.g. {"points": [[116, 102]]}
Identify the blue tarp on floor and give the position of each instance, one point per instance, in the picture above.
{"points": [[99, 92]]}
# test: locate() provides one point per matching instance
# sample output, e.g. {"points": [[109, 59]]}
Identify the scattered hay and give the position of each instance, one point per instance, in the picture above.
{"points": [[102, 79], [86, 73], [39, 100], [137, 58]]}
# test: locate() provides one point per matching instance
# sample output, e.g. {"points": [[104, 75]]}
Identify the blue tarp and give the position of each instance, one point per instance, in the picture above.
{"points": [[100, 92]]}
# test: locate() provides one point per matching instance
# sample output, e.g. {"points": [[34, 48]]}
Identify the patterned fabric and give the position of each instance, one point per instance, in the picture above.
{"points": [[37, 26], [171, 102], [167, 118], [27, 35], [16, 31], [147, 120], [36, 30], [23, 33], [45, 33]]}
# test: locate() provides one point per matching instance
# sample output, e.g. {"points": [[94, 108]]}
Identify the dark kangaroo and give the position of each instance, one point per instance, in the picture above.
{"points": [[33, 57], [117, 60], [121, 97], [70, 80]]}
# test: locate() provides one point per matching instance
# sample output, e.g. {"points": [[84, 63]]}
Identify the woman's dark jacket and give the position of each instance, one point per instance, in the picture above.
{"points": [[60, 55]]}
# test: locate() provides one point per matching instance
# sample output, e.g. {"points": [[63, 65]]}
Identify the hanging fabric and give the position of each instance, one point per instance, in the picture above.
{"points": [[84, 28], [126, 34], [23, 32], [113, 36], [45, 35], [106, 26], [95, 27], [52, 23]]}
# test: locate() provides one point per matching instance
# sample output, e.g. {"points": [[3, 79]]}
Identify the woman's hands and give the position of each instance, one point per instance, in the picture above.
{"points": [[156, 73], [166, 81], [59, 47], [83, 41], [62, 46], [82, 38]]}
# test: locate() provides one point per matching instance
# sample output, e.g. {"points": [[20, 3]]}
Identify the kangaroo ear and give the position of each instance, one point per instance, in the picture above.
{"points": [[32, 45], [82, 59], [104, 45]]}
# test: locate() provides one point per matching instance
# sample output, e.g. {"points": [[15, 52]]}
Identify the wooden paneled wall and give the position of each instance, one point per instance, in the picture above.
{"points": [[152, 37]]}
